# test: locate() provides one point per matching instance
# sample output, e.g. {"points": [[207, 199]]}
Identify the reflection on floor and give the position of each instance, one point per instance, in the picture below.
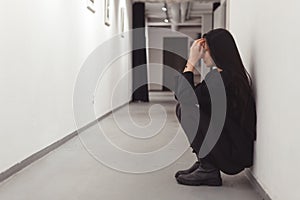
{"points": [[75, 171]]}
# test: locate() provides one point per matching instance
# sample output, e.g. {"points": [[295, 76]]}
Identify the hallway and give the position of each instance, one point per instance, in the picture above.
{"points": [[70, 172], [91, 66]]}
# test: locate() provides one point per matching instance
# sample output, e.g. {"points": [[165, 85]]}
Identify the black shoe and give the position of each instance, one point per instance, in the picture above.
{"points": [[201, 176], [187, 171]]}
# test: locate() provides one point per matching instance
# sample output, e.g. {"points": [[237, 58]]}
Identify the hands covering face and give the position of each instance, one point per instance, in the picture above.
{"points": [[197, 51]]}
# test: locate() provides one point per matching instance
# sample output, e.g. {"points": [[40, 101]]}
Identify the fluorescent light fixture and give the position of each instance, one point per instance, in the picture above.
{"points": [[166, 20]]}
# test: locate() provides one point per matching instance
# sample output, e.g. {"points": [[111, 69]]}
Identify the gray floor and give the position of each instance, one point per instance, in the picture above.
{"points": [[75, 171]]}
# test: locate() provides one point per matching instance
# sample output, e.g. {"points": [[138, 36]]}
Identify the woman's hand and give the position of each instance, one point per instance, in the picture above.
{"points": [[196, 53]]}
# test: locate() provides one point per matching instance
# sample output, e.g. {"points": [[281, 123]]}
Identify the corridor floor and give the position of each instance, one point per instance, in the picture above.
{"points": [[71, 173]]}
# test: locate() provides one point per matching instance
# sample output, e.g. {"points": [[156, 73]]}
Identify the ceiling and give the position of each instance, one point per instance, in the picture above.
{"points": [[179, 12]]}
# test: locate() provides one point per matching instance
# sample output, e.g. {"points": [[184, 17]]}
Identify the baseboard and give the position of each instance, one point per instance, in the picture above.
{"points": [[36, 156], [257, 186]]}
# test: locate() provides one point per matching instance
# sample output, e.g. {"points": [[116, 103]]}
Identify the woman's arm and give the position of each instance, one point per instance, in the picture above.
{"points": [[196, 53], [185, 81], [189, 67]]}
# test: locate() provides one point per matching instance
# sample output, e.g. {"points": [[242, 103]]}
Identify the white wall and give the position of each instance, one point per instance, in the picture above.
{"points": [[267, 33], [43, 45]]}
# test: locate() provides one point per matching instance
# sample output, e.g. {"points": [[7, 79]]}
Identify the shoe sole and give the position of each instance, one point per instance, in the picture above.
{"points": [[213, 182]]}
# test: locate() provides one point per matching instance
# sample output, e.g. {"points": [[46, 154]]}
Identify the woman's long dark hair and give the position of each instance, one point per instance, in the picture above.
{"points": [[226, 56]]}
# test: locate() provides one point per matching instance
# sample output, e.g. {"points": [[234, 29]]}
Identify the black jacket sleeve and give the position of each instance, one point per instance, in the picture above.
{"points": [[184, 88]]}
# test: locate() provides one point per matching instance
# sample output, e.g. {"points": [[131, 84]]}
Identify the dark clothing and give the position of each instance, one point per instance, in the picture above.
{"points": [[234, 149]]}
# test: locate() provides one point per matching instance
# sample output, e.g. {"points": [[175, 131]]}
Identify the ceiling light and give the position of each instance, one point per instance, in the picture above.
{"points": [[166, 20], [164, 9]]}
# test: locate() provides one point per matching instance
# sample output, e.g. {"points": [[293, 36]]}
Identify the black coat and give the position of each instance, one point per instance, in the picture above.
{"points": [[234, 149]]}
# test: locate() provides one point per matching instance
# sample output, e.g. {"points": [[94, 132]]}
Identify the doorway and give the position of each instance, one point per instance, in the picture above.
{"points": [[175, 52]]}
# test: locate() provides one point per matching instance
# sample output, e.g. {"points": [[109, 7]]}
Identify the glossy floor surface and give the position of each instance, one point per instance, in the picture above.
{"points": [[136, 163]]}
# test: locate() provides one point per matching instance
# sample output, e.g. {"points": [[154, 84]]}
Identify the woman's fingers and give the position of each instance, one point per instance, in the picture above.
{"points": [[196, 51], [200, 43], [196, 43], [201, 40]]}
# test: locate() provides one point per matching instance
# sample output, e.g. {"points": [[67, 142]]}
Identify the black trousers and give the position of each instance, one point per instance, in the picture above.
{"points": [[220, 156]]}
